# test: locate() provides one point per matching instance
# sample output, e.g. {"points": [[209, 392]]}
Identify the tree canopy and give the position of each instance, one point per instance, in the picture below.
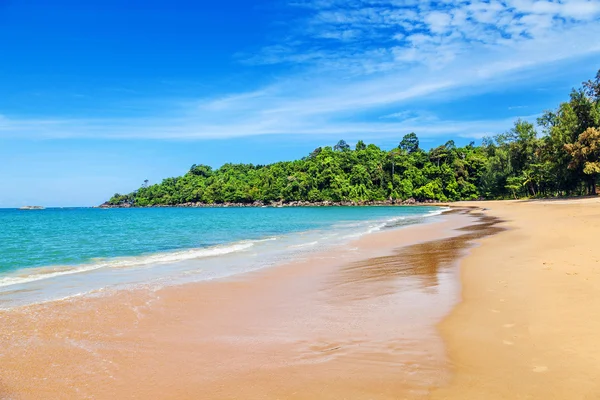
{"points": [[409, 143], [563, 159]]}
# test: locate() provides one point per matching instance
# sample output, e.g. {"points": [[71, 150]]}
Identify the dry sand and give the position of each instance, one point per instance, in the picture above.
{"points": [[529, 323], [360, 322]]}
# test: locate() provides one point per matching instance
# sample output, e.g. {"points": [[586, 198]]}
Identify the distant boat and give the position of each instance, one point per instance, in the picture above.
{"points": [[32, 208]]}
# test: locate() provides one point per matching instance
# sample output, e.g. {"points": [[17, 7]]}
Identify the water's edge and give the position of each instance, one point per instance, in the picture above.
{"points": [[41, 284]]}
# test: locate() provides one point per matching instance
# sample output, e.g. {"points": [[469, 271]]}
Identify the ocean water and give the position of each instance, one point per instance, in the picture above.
{"points": [[57, 253]]}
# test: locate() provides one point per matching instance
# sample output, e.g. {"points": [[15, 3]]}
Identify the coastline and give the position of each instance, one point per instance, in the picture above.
{"points": [[326, 203], [498, 300], [181, 245], [357, 321]]}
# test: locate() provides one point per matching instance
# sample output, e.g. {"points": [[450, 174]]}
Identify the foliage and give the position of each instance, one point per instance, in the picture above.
{"points": [[409, 143], [585, 153], [563, 160]]}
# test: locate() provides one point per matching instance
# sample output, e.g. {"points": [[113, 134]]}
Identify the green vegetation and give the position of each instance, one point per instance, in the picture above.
{"points": [[563, 160]]}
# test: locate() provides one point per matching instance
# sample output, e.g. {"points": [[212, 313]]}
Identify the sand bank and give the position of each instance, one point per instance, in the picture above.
{"points": [[357, 322]]}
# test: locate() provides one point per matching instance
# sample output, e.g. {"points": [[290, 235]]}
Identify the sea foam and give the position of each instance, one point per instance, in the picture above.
{"points": [[36, 274]]}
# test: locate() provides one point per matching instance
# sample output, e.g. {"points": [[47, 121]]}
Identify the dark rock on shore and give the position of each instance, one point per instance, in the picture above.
{"points": [[258, 203]]}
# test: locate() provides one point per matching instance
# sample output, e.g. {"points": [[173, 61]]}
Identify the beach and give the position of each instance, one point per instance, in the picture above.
{"points": [[527, 326], [495, 300]]}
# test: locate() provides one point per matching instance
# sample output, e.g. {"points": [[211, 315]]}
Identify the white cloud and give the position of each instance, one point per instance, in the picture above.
{"points": [[426, 125], [438, 21]]}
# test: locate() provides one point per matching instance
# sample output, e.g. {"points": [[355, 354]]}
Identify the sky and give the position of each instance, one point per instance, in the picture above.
{"points": [[97, 96]]}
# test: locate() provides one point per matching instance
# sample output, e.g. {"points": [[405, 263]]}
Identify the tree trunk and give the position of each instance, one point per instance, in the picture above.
{"points": [[532, 189], [393, 165], [591, 186]]}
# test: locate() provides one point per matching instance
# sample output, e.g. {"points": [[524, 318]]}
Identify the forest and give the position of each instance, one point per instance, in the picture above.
{"points": [[561, 159]]}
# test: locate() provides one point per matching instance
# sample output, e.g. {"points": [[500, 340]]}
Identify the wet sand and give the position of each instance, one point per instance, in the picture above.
{"points": [[357, 322], [529, 321]]}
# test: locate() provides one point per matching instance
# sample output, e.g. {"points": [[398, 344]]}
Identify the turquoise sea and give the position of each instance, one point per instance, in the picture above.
{"points": [[56, 253]]}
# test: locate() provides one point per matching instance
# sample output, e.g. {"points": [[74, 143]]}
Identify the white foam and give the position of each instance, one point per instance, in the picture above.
{"points": [[312, 241], [36, 274], [301, 245], [390, 222], [437, 212]]}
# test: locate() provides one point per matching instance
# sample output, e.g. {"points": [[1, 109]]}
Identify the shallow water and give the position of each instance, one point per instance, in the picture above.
{"points": [[58, 253], [340, 324]]}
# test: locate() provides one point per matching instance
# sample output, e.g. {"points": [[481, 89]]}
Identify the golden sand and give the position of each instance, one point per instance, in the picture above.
{"points": [[529, 323], [358, 322]]}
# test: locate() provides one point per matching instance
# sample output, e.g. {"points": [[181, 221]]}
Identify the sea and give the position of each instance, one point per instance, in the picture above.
{"points": [[59, 253]]}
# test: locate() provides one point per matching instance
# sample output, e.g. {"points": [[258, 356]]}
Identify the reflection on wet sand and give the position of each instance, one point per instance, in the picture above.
{"points": [[422, 262]]}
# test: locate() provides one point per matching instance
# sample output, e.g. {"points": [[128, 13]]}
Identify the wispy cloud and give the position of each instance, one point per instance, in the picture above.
{"points": [[185, 129], [357, 57]]}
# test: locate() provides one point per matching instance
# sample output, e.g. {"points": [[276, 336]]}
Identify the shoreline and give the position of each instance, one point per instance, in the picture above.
{"points": [[279, 204], [499, 300], [338, 324], [214, 261]]}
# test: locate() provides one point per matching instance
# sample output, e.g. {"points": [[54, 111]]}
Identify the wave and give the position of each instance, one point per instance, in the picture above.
{"points": [[360, 228], [392, 222], [396, 222], [302, 245], [440, 211], [36, 274]]}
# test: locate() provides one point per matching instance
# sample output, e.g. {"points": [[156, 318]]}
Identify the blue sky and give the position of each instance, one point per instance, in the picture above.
{"points": [[97, 96]]}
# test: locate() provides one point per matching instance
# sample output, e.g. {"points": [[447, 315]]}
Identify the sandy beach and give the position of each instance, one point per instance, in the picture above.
{"points": [[499, 303], [527, 326]]}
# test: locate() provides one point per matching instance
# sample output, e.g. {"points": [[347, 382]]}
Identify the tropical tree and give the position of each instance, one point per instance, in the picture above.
{"points": [[341, 146], [563, 159], [409, 143], [585, 153], [360, 145]]}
